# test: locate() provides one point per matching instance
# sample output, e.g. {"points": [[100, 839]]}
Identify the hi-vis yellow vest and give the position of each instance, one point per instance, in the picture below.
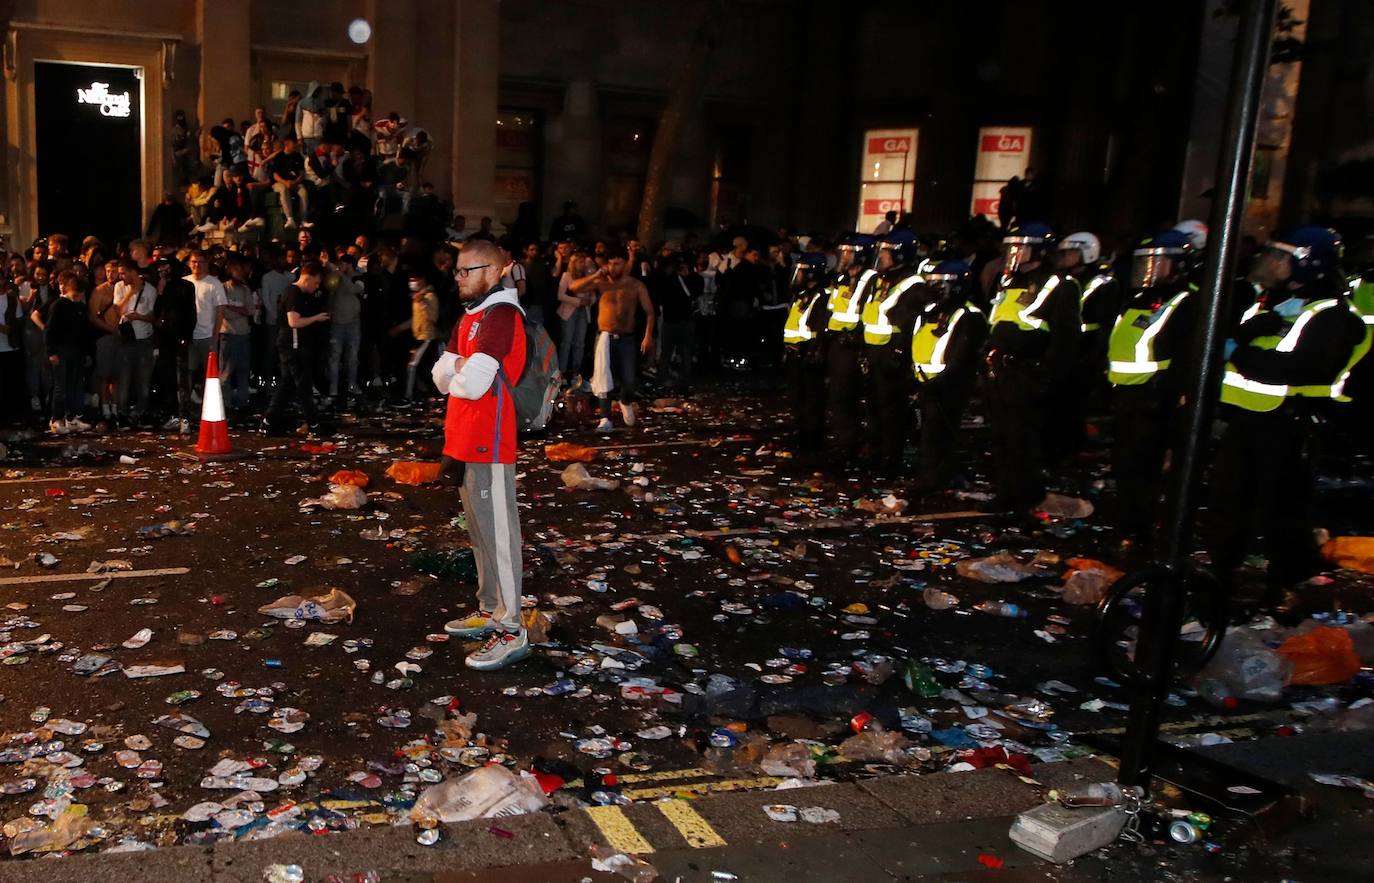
{"points": [[846, 302], [1252, 395], [878, 330], [797, 329], [1093, 285], [928, 344], [1131, 348], [1007, 307]]}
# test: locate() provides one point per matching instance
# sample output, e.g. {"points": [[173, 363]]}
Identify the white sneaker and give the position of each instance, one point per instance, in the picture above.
{"points": [[205, 228], [289, 224], [171, 424], [605, 427], [78, 425], [627, 412], [58, 427], [500, 650], [308, 225], [254, 222]]}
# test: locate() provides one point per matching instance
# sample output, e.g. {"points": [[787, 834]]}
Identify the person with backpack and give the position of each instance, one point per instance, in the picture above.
{"points": [[484, 361]]}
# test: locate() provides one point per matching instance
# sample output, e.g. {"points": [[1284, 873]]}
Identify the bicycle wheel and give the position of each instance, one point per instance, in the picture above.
{"points": [[1122, 612]]}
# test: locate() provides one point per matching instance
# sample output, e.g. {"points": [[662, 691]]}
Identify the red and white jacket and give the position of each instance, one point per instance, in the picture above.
{"points": [[479, 426]]}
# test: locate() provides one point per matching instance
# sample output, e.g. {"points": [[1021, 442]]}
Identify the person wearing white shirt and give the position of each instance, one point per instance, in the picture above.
{"points": [[210, 302], [135, 299]]}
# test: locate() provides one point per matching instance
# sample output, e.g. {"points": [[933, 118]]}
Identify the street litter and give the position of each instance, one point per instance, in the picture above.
{"points": [[413, 473], [576, 477], [486, 792], [335, 606]]}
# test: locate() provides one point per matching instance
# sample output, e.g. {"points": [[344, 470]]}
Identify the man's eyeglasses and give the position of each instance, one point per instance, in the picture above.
{"points": [[462, 272]]}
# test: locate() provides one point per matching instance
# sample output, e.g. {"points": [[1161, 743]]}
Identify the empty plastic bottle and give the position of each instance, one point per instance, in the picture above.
{"points": [[1095, 794], [1217, 693], [1003, 608]]}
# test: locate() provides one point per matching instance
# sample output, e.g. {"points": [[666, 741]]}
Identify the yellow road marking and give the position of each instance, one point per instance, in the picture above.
{"points": [[694, 829], [665, 774], [702, 788], [617, 829]]}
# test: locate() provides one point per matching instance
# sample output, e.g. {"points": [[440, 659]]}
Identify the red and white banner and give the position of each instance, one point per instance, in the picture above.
{"points": [[887, 175]]}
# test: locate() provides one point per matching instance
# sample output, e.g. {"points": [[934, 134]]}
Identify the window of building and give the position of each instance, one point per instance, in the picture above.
{"points": [[278, 93], [1003, 152], [517, 162], [887, 175]]}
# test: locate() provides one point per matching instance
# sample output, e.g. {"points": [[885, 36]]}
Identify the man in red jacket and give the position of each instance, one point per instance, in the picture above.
{"points": [[482, 364]]}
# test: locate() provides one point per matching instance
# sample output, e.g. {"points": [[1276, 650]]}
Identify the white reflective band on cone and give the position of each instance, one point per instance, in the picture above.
{"points": [[212, 411]]}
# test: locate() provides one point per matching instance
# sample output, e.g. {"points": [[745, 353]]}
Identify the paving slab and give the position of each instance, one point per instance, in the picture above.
{"points": [[177, 864], [854, 856], [536, 838]]}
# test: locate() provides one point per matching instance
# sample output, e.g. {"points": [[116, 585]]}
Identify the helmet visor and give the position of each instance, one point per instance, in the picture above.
{"points": [[1016, 253], [944, 286], [803, 274], [1151, 266]]}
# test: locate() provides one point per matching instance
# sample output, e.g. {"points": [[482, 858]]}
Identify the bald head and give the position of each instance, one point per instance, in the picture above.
{"points": [[479, 269]]}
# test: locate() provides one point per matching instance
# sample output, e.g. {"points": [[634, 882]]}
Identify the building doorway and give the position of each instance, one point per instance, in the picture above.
{"points": [[89, 140]]}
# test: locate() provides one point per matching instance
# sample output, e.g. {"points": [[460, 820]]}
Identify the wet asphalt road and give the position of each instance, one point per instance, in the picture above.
{"points": [[737, 601]]}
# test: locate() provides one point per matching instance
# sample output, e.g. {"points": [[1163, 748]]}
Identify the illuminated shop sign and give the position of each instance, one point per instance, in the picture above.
{"points": [[111, 105]]}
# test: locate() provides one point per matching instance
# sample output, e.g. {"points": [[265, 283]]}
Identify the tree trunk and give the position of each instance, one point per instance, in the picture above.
{"points": [[682, 101]]}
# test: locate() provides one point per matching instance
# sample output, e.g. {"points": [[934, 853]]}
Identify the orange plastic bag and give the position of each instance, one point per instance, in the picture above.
{"points": [[349, 476], [569, 451], [1324, 655], [413, 473], [1352, 553]]}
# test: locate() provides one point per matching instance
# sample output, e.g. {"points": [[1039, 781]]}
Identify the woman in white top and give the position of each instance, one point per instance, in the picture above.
{"points": [[574, 315]]}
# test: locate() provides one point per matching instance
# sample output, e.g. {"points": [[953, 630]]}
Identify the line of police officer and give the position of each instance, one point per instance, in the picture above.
{"points": [[886, 325]]}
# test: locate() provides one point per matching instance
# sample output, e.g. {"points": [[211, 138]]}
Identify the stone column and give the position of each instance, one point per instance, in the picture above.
{"points": [[476, 80], [223, 30]]}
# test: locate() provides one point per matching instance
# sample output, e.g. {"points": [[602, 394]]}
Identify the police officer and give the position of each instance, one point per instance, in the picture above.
{"points": [[1291, 355], [946, 345], [804, 340], [1032, 346], [888, 316], [1147, 365], [852, 287], [1079, 255]]}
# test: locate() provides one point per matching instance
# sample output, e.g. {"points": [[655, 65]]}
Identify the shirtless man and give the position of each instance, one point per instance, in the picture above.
{"points": [[614, 375]]}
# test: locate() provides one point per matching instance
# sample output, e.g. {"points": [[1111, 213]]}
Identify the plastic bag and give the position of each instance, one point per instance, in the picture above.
{"points": [[412, 472], [1324, 655], [1088, 581], [1062, 506], [486, 792], [877, 747], [577, 478], [1352, 553], [336, 606], [562, 451], [340, 496], [1249, 668], [349, 476], [789, 759], [999, 568]]}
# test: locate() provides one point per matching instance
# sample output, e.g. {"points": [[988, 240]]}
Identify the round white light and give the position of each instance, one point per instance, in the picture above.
{"points": [[359, 31]]}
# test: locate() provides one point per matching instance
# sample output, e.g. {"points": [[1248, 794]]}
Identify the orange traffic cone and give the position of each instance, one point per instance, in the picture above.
{"points": [[214, 428]]}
